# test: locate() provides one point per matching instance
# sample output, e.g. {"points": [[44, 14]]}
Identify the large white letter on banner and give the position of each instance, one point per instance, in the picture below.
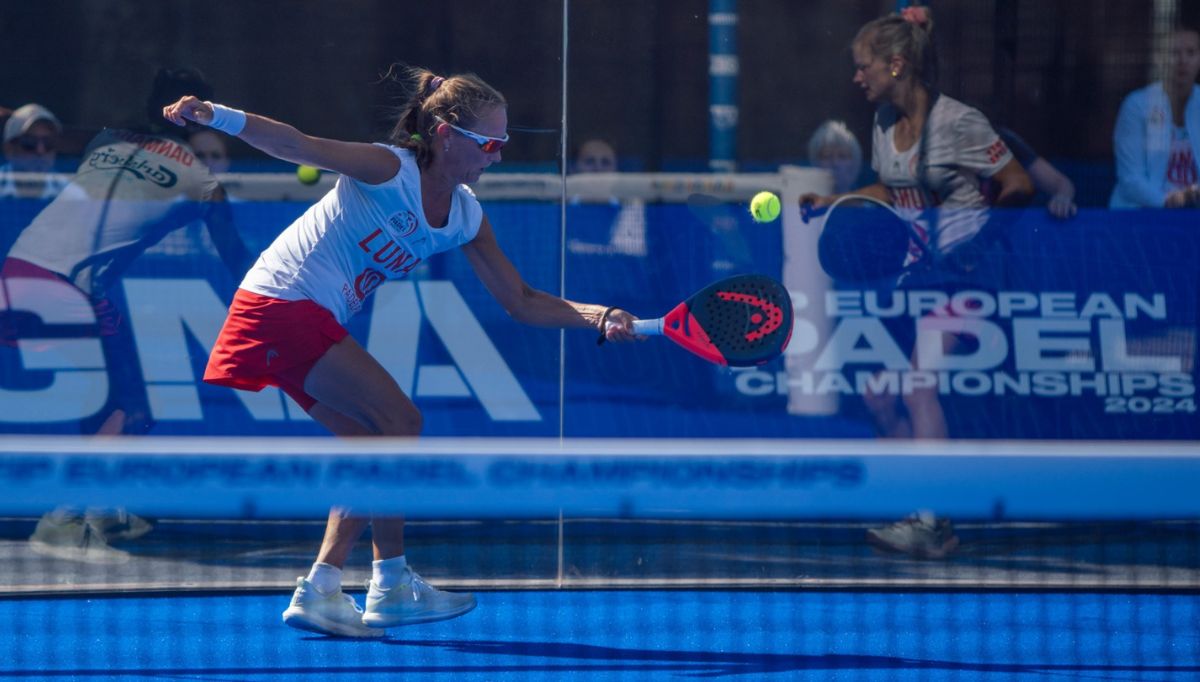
{"points": [[79, 387]]}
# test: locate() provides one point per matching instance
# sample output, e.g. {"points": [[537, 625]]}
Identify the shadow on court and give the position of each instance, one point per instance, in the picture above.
{"points": [[615, 662]]}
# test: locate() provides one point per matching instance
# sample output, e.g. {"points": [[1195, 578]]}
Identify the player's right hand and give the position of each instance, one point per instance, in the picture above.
{"points": [[619, 327], [811, 202], [188, 108]]}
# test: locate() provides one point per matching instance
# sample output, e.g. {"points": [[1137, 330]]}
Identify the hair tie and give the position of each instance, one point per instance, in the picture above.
{"points": [[435, 84], [915, 15], [415, 137]]}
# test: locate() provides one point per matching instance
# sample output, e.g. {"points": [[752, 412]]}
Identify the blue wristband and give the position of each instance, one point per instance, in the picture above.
{"points": [[227, 119]]}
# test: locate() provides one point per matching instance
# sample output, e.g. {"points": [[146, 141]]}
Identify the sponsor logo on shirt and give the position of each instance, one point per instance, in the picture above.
{"points": [[908, 197], [367, 281], [108, 159], [393, 256], [1181, 166], [405, 222], [996, 151]]}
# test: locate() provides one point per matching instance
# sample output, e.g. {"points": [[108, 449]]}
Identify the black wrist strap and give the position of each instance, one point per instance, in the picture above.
{"points": [[603, 322]]}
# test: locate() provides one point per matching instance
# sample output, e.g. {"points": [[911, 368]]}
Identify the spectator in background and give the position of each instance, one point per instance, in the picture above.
{"points": [[836, 149], [595, 156], [625, 234], [1157, 135], [1047, 179], [212, 148], [31, 136]]}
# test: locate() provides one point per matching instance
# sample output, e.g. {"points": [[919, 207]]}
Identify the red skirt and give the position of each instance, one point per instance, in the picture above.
{"points": [[271, 342]]}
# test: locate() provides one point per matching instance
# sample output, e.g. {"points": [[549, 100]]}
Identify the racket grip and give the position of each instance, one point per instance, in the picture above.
{"points": [[648, 327], [808, 211]]}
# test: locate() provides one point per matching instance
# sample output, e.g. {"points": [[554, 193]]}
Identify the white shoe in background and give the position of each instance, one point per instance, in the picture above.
{"points": [[413, 601]]}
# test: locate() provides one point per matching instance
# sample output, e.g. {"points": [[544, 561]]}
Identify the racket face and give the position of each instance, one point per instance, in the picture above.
{"points": [[739, 321], [863, 240]]}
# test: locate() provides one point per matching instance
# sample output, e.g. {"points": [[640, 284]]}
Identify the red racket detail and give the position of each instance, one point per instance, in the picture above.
{"points": [[739, 321], [681, 326], [774, 314]]}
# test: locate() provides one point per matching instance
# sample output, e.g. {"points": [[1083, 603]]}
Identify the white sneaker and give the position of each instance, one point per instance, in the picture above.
{"points": [[335, 613], [922, 536], [117, 524], [413, 601], [65, 534]]}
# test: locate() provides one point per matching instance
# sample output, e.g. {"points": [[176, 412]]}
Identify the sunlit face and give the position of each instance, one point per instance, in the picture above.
{"points": [[35, 150], [596, 156], [871, 73], [210, 149], [464, 160], [1185, 58]]}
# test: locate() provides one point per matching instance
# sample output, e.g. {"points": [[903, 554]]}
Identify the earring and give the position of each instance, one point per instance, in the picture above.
{"points": [[895, 73]]}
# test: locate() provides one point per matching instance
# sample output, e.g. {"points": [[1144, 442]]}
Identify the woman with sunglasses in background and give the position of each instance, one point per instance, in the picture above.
{"points": [[31, 136], [394, 205]]}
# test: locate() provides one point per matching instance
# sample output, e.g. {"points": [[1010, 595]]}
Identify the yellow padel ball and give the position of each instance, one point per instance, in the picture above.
{"points": [[764, 207], [308, 174]]}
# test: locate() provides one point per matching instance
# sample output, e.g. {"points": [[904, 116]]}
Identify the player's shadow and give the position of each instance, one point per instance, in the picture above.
{"points": [[590, 658]]}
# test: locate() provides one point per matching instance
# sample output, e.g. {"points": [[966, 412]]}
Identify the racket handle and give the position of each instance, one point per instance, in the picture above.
{"points": [[648, 327], [808, 212]]}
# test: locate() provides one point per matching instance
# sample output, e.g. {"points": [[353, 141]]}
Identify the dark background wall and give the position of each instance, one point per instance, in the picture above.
{"points": [[1055, 70]]}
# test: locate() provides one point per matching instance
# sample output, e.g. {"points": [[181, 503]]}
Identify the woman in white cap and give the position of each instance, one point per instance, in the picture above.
{"points": [[31, 137]]}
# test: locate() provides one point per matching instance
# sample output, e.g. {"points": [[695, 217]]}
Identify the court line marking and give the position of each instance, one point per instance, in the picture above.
{"points": [[221, 447]]}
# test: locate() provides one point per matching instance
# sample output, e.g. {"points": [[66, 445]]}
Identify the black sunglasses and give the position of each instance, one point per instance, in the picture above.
{"points": [[30, 143]]}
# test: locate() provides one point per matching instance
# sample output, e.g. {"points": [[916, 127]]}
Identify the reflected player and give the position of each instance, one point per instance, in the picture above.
{"points": [[132, 188]]}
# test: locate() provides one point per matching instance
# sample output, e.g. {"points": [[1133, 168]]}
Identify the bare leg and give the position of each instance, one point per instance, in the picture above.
{"points": [[925, 411], [113, 425], [341, 532], [925, 407], [885, 412], [387, 536], [357, 397]]}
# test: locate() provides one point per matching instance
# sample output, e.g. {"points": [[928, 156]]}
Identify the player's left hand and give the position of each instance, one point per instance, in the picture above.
{"points": [[1062, 206], [188, 108], [619, 327]]}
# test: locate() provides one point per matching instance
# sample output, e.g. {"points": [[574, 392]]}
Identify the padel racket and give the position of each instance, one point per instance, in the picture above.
{"points": [[862, 239], [739, 321]]}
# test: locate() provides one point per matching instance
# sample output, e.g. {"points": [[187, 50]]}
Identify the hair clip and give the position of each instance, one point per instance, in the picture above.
{"points": [[915, 15]]}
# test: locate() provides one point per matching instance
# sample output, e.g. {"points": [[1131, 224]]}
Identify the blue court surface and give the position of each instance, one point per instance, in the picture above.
{"points": [[623, 635]]}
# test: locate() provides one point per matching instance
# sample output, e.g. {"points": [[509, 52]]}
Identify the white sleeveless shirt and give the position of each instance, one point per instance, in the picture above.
{"points": [[961, 149], [357, 237]]}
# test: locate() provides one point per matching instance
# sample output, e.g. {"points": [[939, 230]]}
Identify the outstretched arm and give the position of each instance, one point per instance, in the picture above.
{"points": [[875, 191], [225, 237], [531, 306], [369, 163], [1050, 180], [1015, 186]]}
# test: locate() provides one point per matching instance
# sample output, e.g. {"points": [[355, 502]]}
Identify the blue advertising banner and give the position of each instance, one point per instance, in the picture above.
{"points": [[1088, 331]]}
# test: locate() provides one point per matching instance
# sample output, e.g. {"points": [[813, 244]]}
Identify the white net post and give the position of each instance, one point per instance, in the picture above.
{"points": [[807, 283]]}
